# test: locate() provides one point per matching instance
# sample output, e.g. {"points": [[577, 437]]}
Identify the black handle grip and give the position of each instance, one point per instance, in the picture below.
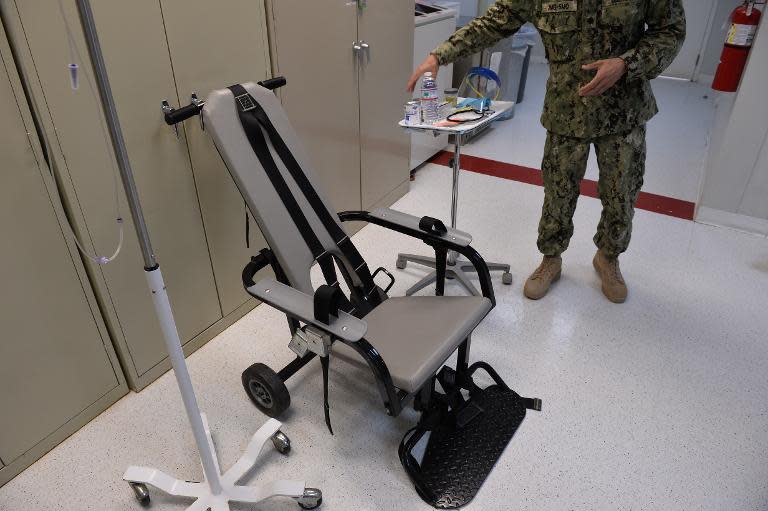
{"points": [[182, 114], [255, 265], [273, 83]]}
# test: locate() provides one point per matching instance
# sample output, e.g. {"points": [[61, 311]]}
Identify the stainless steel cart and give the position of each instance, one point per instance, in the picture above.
{"points": [[457, 268]]}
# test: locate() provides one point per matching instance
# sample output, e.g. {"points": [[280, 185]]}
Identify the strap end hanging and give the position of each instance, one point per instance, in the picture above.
{"points": [[324, 361]]}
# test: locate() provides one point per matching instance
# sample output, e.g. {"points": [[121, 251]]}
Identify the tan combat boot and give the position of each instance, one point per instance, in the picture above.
{"points": [[548, 272], [614, 287]]}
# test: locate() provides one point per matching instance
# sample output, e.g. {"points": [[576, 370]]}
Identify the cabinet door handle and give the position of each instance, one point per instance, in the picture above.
{"points": [[199, 103], [166, 109], [366, 50]]}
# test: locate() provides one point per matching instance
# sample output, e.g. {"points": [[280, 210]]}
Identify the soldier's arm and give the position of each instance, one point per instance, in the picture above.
{"points": [[661, 43], [502, 19]]}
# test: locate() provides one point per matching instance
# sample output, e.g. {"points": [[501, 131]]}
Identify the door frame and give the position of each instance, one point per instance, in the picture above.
{"points": [[702, 47]]}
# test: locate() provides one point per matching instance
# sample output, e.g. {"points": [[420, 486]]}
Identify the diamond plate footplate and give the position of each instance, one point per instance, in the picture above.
{"points": [[457, 461]]}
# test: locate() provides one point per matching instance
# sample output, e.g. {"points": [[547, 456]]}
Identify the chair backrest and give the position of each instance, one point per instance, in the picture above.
{"points": [[223, 122]]}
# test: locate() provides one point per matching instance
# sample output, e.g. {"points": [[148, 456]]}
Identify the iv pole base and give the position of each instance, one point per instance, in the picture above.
{"points": [[460, 272], [140, 477]]}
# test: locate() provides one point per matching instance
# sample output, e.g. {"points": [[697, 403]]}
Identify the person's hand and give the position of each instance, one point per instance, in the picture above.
{"points": [[608, 73], [430, 64]]}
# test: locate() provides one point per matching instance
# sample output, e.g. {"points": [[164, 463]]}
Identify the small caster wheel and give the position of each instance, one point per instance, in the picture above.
{"points": [[141, 492], [400, 263], [506, 278], [311, 499], [266, 390], [281, 442]]}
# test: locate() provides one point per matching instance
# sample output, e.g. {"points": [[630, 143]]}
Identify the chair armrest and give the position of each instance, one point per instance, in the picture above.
{"points": [[454, 236], [452, 239], [301, 306]]}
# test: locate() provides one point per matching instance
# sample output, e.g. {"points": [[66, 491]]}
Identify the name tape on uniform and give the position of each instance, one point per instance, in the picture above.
{"points": [[562, 6]]}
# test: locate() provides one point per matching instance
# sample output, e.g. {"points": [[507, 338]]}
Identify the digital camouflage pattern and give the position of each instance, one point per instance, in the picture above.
{"points": [[621, 158], [577, 32]]}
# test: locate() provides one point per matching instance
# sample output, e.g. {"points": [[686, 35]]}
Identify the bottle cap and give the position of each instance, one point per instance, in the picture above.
{"points": [[428, 74]]}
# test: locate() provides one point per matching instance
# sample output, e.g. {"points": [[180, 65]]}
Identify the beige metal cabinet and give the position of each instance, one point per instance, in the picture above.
{"points": [[211, 49], [57, 366], [312, 48], [387, 29], [345, 102], [136, 53]]}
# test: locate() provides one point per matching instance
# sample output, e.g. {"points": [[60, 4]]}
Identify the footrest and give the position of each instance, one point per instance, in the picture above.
{"points": [[464, 447]]}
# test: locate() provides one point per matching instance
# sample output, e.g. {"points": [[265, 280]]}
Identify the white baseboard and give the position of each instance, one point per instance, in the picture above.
{"points": [[744, 223]]}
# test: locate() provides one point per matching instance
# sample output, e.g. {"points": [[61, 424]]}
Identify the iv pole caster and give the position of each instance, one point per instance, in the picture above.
{"points": [[311, 499], [141, 492], [281, 442]]}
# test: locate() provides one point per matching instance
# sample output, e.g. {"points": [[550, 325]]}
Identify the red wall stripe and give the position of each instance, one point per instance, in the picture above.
{"points": [[648, 201]]}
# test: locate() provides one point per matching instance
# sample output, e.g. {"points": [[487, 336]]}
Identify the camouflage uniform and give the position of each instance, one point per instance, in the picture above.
{"points": [[578, 32]]}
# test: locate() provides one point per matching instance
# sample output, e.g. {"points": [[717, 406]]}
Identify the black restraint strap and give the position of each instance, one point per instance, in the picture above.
{"points": [[432, 225], [247, 226], [359, 279], [253, 131], [327, 300], [259, 145], [324, 361]]}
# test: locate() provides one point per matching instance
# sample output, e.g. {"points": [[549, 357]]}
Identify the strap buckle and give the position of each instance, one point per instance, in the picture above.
{"points": [[385, 272], [246, 102]]}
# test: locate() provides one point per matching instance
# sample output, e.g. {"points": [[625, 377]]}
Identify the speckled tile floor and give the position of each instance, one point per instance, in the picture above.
{"points": [[657, 404]]}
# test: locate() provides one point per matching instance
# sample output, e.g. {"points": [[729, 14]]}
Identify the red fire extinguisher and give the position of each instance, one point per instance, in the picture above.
{"points": [[744, 21]]}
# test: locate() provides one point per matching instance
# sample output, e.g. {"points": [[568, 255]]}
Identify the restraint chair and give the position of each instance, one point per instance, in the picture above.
{"points": [[405, 341]]}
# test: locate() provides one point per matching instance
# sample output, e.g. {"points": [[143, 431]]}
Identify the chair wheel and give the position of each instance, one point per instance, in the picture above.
{"points": [[311, 499], [266, 390], [506, 278], [400, 263], [281, 442], [141, 492]]}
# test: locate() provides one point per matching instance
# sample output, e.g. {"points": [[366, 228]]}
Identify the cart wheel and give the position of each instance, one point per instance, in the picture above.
{"points": [[266, 390], [141, 492], [312, 498], [506, 278], [400, 263], [281, 442]]}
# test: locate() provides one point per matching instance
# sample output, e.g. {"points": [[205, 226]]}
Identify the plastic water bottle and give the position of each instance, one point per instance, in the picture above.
{"points": [[430, 102]]}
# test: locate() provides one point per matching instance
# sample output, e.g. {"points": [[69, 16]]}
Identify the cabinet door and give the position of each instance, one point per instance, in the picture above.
{"points": [[313, 50], [53, 360], [387, 27], [212, 49], [136, 53]]}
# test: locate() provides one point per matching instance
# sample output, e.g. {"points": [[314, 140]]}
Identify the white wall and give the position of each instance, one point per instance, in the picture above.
{"points": [[736, 178], [698, 14]]}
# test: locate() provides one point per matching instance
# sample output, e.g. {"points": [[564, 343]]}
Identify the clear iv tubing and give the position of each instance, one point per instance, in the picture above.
{"points": [[73, 68]]}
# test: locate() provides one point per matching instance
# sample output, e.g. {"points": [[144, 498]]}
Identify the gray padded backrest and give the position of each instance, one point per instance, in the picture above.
{"points": [[223, 123]]}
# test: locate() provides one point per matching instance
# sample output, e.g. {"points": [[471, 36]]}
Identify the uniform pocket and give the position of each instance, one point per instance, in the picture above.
{"points": [[619, 13], [559, 32]]}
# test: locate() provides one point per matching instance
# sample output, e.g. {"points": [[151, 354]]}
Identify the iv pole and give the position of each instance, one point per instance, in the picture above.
{"points": [[218, 489]]}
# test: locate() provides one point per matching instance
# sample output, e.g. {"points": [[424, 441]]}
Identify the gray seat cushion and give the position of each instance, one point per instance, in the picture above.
{"points": [[416, 334]]}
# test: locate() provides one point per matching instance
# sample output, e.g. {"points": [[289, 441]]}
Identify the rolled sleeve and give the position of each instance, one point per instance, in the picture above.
{"points": [[661, 42], [501, 20]]}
